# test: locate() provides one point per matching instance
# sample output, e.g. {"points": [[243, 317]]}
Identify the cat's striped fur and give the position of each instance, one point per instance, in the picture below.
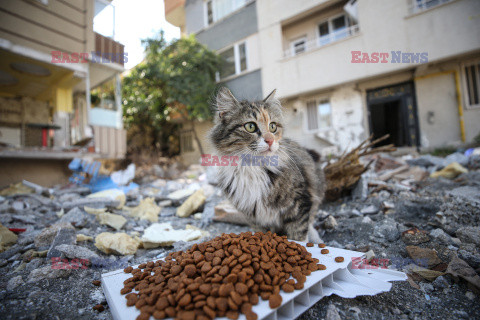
{"points": [[282, 198]]}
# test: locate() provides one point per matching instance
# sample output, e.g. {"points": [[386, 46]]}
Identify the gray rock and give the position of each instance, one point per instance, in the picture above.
{"points": [[367, 220], [426, 287], [470, 295], [34, 264], [440, 236], [469, 235], [18, 206], [369, 210], [212, 177], [456, 157], [73, 251], [332, 313], [47, 272], [335, 244], [77, 217], [10, 252], [440, 283], [3, 263], [64, 236], [473, 259], [387, 229], [15, 282], [427, 161], [330, 223]]}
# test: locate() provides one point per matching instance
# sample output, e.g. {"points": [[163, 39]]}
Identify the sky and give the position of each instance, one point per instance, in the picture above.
{"points": [[134, 21]]}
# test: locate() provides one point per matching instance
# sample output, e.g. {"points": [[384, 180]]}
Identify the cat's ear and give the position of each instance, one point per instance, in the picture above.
{"points": [[271, 96], [225, 101]]}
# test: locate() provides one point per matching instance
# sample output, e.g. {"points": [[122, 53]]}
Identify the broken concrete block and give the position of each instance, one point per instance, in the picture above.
{"points": [[74, 252], [451, 171], [45, 238], [192, 204], [115, 221], [7, 238], [95, 202], [64, 236], [116, 243], [415, 236], [146, 210], [163, 234], [113, 194], [82, 237], [76, 217], [226, 212], [15, 282]]}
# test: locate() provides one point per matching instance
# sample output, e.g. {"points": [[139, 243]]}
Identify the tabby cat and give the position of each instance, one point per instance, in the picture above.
{"points": [[282, 191]]}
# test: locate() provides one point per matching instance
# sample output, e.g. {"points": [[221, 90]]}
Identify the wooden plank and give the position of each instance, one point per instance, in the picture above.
{"points": [[26, 30]]}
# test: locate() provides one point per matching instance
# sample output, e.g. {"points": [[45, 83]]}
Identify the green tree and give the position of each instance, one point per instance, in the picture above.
{"points": [[175, 79]]}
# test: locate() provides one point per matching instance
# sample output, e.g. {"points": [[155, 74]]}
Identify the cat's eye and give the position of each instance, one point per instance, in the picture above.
{"points": [[272, 127], [250, 127]]}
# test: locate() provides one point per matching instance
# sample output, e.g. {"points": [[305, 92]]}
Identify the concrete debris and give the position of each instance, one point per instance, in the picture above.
{"points": [[16, 189], [330, 223], [332, 313], [163, 234], [14, 283], [226, 212], [7, 238], [192, 204], [469, 235], [48, 273], [95, 202], [451, 171], [82, 237], [112, 194], [63, 236], [146, 210], [115, 221], [45, 238], [116, 243], [76, 252], [460, 269], [180, 194], [94, 211]]}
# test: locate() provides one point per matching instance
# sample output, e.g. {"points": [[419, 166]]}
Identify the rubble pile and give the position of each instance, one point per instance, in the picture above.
{"points": [[420, 215]]}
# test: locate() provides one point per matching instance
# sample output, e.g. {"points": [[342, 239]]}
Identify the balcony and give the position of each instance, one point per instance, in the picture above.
{"points": [[302, 45], [114, 49]]}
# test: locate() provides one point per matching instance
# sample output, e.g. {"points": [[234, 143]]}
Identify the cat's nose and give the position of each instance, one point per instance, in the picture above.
{"points": [[269, 141]]}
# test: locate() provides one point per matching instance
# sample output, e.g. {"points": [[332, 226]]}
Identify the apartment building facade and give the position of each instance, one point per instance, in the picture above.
{"points": [[348, 69], [51, 58]]}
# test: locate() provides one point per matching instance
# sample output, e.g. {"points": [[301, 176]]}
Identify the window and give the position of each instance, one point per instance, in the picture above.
{"points": [[299, 46], [334, 29], [319, 115], [422, 5], [234, 60], [472, 84], [217, 9]]}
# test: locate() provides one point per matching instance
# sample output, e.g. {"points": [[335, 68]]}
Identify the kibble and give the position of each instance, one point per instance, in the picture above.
{"points": [[322, 245], [309, 244], [324, 251], [220, 278], [339, 259]]}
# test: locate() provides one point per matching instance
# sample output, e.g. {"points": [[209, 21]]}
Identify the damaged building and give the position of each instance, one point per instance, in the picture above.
{"points": [[60, 94], [348, 69]]}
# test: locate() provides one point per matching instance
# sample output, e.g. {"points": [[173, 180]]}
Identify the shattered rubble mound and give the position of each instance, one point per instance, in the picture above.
{"points": [[420, 215]]}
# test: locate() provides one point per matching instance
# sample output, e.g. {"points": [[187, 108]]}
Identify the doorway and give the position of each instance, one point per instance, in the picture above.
{"points": [[392, 111]]}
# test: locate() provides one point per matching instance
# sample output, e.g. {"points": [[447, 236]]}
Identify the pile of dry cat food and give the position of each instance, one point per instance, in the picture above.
{"points": [[222, 277]]}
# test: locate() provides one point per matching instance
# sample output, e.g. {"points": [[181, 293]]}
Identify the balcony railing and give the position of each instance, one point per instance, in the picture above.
{"points": [[321, 41], [114, 49]]}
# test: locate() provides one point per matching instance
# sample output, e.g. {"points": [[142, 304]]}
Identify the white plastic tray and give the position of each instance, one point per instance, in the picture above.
{"points": [[338, 278]]}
